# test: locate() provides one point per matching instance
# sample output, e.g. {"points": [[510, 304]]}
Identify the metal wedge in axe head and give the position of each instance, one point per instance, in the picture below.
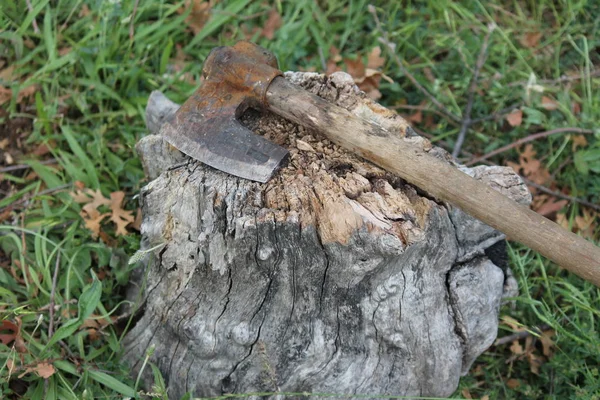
{"points": [[246, 75]]}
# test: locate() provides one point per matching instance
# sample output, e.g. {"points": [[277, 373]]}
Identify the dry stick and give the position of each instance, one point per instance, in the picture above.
{"points": [[52, 294], [466, 120], [562, 79], [25, 166], [34, 22], [559, 195], [30, 197], [385, 40], [497, 114], [527, 139], [521, 335], [131, 31]]}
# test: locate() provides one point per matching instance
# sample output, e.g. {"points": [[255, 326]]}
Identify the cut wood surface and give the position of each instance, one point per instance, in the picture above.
{"points": [[335, 277], [412, 162]]}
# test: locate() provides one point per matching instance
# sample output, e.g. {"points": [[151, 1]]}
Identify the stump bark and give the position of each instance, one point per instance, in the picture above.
{"points": [[334, 277]]}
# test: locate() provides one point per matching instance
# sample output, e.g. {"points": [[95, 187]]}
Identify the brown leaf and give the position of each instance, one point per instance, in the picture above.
{"points": [[535, 362], [513, 383], [576, 108], [466, 393], [6, 74], [374, 59], [93, 219], [484, 397], [356, 68], [531, 39], [92, 199], [415, 118], [515, 118], [26, 92], [44, 370], [547, 343], [549, 103], [64, 51], [199, 14], [119, 216], [578, 141], [5, 95], [85, 11], [516, 348], [550, 206], [137, 223], [272, 24], [9, 326]]}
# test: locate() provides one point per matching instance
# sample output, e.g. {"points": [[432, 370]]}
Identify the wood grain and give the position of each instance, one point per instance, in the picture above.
{"points": [[441, 180]]}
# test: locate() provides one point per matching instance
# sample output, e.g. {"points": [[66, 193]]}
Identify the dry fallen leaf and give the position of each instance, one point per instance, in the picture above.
{"points": [[578, 141], [45, 370], [272, 23], [93, 219], [374, 59], [513, 383], [8, 326], [415, 118], [531, 39], [530, 167], [549, 103], [137, 223], [547, 205], [516, 348], [199, 14], [119, 216], [515, 118], [547, 343], [466, 393]]}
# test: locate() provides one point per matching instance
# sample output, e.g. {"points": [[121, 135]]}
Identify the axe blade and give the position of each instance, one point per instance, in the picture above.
{"points": [[223, 143]]}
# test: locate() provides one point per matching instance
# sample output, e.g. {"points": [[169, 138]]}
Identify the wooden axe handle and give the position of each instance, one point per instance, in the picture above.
{"points": [[437, 178]]}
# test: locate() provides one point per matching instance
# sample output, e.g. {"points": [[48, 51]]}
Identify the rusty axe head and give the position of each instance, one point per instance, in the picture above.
{"points": [[206, 126]]}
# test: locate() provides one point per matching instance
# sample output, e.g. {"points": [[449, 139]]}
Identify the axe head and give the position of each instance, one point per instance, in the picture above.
{"points": [[206, 127]]}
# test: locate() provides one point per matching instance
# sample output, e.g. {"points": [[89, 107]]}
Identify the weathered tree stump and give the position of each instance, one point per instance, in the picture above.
{"points": [[334, 277]]}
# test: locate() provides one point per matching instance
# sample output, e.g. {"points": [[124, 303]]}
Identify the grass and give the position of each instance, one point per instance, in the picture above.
{"points": [[92, 79]]}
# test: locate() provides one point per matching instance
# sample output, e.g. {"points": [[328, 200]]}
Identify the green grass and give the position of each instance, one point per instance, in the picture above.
{"points": [[93, 81]]}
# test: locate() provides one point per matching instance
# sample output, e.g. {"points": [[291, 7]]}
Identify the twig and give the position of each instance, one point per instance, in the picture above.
{"points": [[562, 79], [25, 166], [559, 195], [527, 139], [131, 24], [385, 40], [497, 114], [30, 197], [52, 294], [34, 22], [466, 120], [521, 335]]}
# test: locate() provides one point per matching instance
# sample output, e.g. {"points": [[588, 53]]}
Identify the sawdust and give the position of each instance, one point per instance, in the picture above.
{"points": [[329, 187]]}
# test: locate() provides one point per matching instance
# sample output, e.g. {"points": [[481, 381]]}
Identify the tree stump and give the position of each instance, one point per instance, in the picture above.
{"points": [[334, 277]]}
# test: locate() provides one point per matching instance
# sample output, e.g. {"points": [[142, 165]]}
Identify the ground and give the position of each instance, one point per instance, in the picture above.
{"points": [[74, 79]]}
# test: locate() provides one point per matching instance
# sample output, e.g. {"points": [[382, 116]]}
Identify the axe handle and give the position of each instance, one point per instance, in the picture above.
{"points": [[437, 178]]}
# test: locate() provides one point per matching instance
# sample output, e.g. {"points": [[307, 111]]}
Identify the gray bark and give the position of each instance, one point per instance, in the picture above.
{"points": [[334, 277]]}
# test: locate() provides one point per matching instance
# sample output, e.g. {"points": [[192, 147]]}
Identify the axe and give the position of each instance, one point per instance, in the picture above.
{"points": [[246, 75]]}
